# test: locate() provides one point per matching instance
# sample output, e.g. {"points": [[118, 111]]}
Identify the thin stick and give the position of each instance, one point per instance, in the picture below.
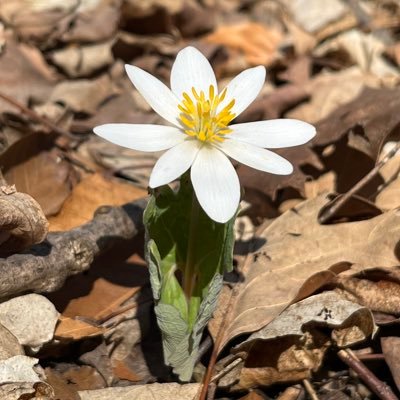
{"points": [[381, 389], [227, 369], [328, 213], [36, 117], [310, 390], [204, 347]]}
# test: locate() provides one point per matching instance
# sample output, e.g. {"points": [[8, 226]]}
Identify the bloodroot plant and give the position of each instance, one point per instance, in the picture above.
{"points": [[189, 232]]}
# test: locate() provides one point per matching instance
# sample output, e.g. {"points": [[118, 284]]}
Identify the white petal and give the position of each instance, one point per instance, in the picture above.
{"points": [[216, 184], [173, 163], [141, 137], [256, 157], [273, 134], [191, 69], [244, 88], [158, 95]]}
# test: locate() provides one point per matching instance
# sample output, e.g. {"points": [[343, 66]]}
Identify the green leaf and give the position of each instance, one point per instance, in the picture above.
{"points": [[187, 253]]}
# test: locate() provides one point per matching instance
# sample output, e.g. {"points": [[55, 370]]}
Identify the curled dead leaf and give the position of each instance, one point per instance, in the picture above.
{"points": [[292, 346]]}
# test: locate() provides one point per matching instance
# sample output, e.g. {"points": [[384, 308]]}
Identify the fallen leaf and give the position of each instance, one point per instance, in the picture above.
{"points": [[256, 42], [388, 196], [75, 329], [61, 388], [38, 323], [38, 20], [391, 351], [366, 51], [82, 61], [22, 222], [19, 369], [88, 195], [83, 95], [66, 381], [254, 395], [99, 358], [373, 114], [194, 19], [36, 169], [326, 183], [9, 344], [298, 257], [381, 295], [154, 391], [329, 90], [95, 21], [293, 344], [24, 66], [313, 15]]}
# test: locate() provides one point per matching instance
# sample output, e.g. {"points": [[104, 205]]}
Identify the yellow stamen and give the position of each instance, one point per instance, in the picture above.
{"points": [[201, 118]]}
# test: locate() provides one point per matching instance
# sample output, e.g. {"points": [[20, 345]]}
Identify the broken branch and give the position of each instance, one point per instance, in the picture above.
{"points": [[45, 267]]}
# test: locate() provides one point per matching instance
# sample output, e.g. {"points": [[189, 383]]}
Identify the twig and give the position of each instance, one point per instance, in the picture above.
{"points": [[36, 117], [329, 212], [45, 267], [370, 357], [227, 369], [381, 389], [310, 390], [204, 347]]}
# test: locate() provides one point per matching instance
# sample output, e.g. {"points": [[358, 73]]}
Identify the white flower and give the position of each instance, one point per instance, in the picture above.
{"points": [[201, 137]]}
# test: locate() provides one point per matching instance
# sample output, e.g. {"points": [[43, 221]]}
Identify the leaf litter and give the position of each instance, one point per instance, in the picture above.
{"points": [[300, 289]]}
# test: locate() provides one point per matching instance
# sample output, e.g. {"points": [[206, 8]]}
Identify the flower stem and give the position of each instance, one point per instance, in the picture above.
{"points": [[190, 274]]}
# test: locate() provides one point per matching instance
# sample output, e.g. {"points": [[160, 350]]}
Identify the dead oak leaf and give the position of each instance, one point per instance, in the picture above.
{"points": [[375, 111], [293, 345], [37, 169], [298, 257]]}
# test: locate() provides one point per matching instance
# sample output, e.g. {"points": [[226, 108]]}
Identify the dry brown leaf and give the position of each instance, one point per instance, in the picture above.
{"points": [[22, 222], [95, 21], [298, 257], [388, 196], [104, 298], [374, 112], [9, 344], [91, 193], [257, 43], [39, 171], [75, 329], [42, 21], [331, 90], [326, 183], [83, 95], [61, 388], [313, 15], [391, 351], [23, 67], [82, 61], [293, 345], [365, 50], [378, 295], [154, 391]]}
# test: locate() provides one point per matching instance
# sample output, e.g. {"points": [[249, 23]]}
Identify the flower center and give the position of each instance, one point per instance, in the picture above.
{"points": [[201, 118]]}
